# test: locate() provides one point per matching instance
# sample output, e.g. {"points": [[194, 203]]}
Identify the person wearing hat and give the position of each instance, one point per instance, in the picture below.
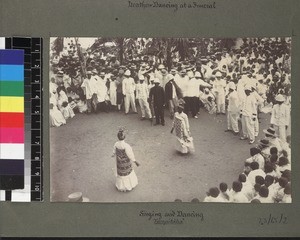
{"points": [[264, 146], [172, 91], [157, 97], [232, 109], [181, 81], [90, 88], [113, 91], [102, 91], [126, 178], [128, 88], [193, 92], [248, 115], [184, 141], [119, 80], [273, 139], [259, 101], [142, 93], [219, 89], [280, 117], [77, 197]]}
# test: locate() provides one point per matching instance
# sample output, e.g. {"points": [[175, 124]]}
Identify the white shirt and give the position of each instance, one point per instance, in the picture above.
{"points": [[280, 115], [193, 88], [142, 91], [128, 85], [248, 107], [219, 87], [257, 158], [238, 197], [252, 175], [90, 87], [233, 102], [101, 89], [182, 83]]}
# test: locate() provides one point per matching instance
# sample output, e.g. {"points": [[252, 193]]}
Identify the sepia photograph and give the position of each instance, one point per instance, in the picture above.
{"points": [[170, 119]]}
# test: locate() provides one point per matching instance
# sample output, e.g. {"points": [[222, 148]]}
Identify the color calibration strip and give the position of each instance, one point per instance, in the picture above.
{"points": [[12, 152], [33, 189]]}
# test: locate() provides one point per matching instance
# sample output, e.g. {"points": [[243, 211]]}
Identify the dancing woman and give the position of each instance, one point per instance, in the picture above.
{"points": [[184, 141], [126, 178]]}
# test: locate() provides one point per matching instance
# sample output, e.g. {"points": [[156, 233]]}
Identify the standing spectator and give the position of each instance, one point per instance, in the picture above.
{"points": [[232, 110], [157, 96], [128, 88], [248, 116], [119, 84], [101, 91], [192, 95], [171, 90], [113, 91], [219, 89], [142, 93], [280, 117], [89, 86]]}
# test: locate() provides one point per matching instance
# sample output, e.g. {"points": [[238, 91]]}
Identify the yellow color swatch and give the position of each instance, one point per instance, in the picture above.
{"points": [[11, 104]]}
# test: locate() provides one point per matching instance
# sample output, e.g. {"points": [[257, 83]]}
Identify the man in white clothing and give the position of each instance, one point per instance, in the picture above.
{"points": [[233, 109], [142, 94], [248, 115], [280, 117], [90, 89], [128, 88], [219, 89]]}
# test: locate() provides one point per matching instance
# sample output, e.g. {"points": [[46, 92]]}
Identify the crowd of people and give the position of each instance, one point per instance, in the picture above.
{"points": [[241, 82], [266, 177]]}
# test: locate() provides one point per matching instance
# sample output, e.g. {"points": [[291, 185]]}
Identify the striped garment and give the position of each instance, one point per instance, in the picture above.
{"points": [[124, 167]]}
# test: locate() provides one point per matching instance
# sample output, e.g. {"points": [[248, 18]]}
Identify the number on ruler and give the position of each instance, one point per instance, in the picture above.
{"points": [[37, 143], [37, 112], [37, 173], [37, 158], [36, 96], [37, 188]]}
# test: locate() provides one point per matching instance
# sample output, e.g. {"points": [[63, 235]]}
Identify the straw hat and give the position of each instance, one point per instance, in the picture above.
{"points": [[77, 197]]}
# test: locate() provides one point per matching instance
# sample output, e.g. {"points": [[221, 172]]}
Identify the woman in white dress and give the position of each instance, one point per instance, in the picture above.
{"points": [[126, 178]]}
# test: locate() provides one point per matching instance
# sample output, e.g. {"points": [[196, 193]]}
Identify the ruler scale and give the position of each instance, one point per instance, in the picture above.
{"points": [[36, 120], [32, 47]]}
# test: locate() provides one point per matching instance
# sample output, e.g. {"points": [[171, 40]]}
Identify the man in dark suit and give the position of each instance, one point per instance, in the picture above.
{"points": [[157, 97], [172, 93]]}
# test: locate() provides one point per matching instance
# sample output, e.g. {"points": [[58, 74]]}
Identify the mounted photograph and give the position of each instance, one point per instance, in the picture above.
{"points": [[170, 119]]}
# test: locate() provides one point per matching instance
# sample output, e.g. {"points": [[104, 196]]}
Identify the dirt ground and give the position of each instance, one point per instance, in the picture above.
{"points": [[81, 158]]}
